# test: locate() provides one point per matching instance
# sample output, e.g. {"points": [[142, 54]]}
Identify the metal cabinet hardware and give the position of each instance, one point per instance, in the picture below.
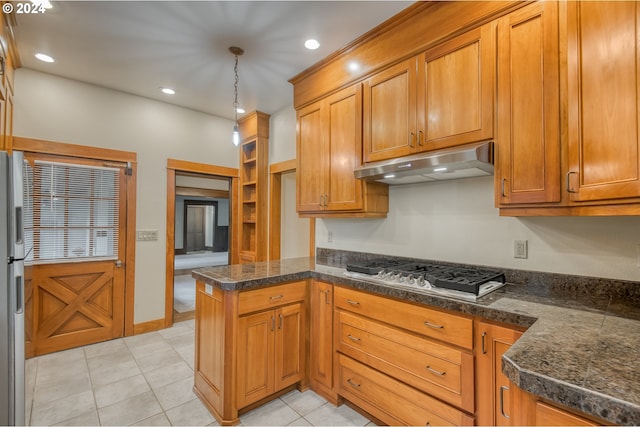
{"points": [[275, 297], [433, 371], [431, 325], [326, 297], [353, 384], [502, 390], [484, 350], [420, 138], [352, 338], [503, 181], [412, 137], [280, 326], [118, 263], [273, 323], [352, 302]]}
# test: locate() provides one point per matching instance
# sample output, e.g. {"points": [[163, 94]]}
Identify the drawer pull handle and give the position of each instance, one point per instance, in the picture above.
{"points": [[352, 384], [502, 389], [275, 297], [352, 338], [352, 302], [433, 371], [431, 325]]}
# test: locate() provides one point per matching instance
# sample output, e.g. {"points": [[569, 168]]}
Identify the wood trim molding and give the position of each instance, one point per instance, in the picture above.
{"points": [[201, 168], [170, 247], [286, 166], [201, 192], [275, 215], [130, 256], [275, 205], [72, 150], [312, 237], [150, 326], [184, 167]]}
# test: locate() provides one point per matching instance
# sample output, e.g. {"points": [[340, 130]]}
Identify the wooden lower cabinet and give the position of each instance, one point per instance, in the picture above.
{"points": [[321, 340], [388, 363], [493, 388], [392, 401], [241, 359], [270, 352], [533, 411]]}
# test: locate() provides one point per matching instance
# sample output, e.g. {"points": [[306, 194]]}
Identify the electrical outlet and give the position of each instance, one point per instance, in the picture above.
{"points": [[330, 236], [146, 235], [520, 249]]}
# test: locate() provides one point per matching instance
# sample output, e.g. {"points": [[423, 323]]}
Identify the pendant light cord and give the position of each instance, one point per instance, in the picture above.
{"points": [[235, 89]]}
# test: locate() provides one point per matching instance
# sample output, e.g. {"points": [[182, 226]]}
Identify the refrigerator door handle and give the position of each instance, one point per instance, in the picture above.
{"points": [[19, 295]]}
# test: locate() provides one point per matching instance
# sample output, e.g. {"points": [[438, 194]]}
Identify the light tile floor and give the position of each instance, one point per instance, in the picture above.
{"points": [[147, 380]]}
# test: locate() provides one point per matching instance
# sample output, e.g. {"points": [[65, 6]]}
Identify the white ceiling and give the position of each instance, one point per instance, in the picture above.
{"points": [[140, 46]]}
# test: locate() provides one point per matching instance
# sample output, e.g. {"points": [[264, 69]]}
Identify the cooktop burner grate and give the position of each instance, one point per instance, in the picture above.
{"points": [[440, 276]]}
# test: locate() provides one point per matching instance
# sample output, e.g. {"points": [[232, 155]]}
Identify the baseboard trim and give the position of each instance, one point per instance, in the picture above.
{"points": [[150, 326]]}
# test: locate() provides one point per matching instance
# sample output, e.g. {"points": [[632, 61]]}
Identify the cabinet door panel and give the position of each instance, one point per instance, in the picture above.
{"points": [[321, 330], [310, 167], [603, 78], [289, 345], [459, 82], [255, 357], [389, 112], [344, 140], [492, 342], [528, 161]]}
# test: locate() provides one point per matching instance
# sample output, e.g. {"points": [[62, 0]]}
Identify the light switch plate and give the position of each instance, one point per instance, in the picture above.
{"points": [[147, 235]]}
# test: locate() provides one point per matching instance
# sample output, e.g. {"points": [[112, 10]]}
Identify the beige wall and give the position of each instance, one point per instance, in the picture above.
{"points": [[456, 221], [56, 109]]}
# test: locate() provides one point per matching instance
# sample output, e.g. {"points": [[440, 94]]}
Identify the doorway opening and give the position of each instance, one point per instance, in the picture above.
{"points": [[201, 234]]}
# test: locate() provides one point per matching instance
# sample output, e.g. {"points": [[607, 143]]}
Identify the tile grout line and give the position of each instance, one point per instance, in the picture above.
{"points": [[135, 359]]}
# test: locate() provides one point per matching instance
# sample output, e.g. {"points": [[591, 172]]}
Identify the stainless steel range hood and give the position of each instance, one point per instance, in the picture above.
{"points": [[450, 163]]}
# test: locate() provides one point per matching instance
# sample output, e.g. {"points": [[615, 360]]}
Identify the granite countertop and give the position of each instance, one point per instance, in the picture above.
{"points": [[578, 352]]}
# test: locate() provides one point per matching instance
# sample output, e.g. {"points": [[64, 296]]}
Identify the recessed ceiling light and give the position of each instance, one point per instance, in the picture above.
{"points": [[43, 57], [240, 110], [168, 91], [312, 44]]}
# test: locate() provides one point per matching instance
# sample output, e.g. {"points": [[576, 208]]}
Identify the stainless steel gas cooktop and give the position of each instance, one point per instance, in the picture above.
{"points": [[456, 282]]}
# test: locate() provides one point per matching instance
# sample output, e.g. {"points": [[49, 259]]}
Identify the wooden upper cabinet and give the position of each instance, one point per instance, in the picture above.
{"points": [[311, 159], [603, 81], [456, 90], [329, 149], [528, 133], [390, 112], [441, 98]]}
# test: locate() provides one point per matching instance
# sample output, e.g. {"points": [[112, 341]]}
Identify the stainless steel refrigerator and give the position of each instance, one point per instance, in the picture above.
{"points": [[11, 290]]}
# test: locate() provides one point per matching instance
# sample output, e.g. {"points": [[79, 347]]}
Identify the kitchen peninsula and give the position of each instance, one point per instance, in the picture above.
{"points": [[578, 350]]}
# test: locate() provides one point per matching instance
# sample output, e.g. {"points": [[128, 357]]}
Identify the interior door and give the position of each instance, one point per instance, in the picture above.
{"points": [[75, 225], [196, 228]]}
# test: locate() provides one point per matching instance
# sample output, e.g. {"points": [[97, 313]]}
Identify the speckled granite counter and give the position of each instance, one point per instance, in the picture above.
{"points": [[581, 352]]}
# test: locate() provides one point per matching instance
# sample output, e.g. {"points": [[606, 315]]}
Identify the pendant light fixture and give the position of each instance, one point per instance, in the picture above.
{"points": [[236, 51]]}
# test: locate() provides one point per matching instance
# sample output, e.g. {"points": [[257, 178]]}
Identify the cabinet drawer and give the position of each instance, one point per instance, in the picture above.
{"points": [[393, 402], [447, 327], [442, 371], [273, 296]]}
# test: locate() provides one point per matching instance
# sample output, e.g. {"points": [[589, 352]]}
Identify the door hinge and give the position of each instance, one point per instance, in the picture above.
{"points": [[128, 170]]}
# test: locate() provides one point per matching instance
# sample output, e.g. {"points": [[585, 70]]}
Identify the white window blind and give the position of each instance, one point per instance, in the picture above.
{"points": [[70, 212]]}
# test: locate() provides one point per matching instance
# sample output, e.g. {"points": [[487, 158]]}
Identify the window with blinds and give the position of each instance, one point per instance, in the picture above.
{"points": [[70, 212]]}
